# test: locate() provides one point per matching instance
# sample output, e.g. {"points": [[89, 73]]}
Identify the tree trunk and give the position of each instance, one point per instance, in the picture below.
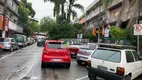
{"points": [[119, 21]]}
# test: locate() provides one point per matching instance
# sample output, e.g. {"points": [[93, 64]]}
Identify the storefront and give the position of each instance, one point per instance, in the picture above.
{"points": [[14, 29]]}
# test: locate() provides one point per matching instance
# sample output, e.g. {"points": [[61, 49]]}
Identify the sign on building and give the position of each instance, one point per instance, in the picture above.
{"points": [[107, 30], [138, 29]]}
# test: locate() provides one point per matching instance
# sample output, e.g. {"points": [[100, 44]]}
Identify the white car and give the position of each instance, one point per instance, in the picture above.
{"points": [[84, 52], [114, 64]]}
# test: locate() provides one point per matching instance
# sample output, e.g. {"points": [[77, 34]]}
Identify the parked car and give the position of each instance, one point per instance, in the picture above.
{"points": [[114, 64], [84, 52], [74, 50], [21, 39], [9, 43], [41, 42], [55, 52], [30, 42], [1, 50]]}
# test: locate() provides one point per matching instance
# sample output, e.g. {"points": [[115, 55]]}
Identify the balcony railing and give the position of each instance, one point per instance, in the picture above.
{"points": [[114, 3], [94, 13]]}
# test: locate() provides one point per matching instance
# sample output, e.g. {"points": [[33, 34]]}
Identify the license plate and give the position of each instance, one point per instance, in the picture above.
{"points": [[102, 68], [57, 60]]}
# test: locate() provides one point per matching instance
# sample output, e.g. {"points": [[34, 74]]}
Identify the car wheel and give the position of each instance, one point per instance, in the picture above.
{"points": [[79, 62], [91, 76], [11, 49], [68, 65], [43, 65], [0, 52], [127, 78]]}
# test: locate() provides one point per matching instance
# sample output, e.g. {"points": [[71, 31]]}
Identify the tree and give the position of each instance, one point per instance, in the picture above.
{"points": [[55, 30], [70, 9], [57, 7], [24, 13], [29, 6]]}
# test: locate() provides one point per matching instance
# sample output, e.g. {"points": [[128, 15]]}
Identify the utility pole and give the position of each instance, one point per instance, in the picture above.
{"points": [[4, 18], [138, 37], [99, 25]]}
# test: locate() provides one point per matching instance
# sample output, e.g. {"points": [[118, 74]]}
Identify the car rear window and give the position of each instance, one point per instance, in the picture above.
{"points": [[4, 40], [90, 47], [107, 55], [56, 45]]}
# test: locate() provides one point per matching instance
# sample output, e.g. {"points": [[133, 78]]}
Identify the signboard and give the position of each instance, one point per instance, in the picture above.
{"points": [[107, 30], [138, 29]]}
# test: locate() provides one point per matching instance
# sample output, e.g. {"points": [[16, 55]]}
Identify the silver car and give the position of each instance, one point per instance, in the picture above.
{"points": [[84, 52], [9, 43]]}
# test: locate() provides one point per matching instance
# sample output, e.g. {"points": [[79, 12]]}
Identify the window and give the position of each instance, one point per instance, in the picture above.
{"points": [[108, 55], [137, 58], [56, 45], [115, 13], [129, 57], [12, 40]]}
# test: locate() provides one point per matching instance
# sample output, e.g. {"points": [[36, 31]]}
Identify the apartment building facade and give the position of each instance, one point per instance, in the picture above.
{"points": [[12, 16], [111, 15]]}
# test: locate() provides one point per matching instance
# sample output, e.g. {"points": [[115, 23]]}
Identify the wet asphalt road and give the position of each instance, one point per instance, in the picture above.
{"points": [[25, 64]]}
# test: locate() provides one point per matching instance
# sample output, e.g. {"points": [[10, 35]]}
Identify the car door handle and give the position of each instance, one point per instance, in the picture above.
{"points": [[112, 69]]}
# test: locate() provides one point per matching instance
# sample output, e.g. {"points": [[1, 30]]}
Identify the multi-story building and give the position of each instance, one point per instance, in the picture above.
{"points": [[12, 15], [114, 12]]}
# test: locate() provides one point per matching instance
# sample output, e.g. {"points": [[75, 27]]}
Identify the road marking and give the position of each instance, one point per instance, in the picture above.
{"points": [[10, 54], [82, 78]]}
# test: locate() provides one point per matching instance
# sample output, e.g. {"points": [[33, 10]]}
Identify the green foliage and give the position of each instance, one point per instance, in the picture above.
{"points": [[56, 31], [28, 5], [90, 36], [118, 33], [59, 31], [24, 13], [25, 10], [124, 34], [78, 28]]}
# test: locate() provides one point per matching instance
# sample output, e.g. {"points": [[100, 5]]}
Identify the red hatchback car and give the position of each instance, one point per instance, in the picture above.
{"points": [[55, 52]]}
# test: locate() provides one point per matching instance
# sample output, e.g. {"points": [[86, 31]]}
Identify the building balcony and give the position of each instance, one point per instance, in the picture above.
{"points": [[114, 3], [15, 27], [89, 27], [92, 5], [94, 13]]}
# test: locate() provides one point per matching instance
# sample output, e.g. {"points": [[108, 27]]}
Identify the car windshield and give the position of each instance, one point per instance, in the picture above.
{"points": [[40, 40], [56, 45], [107, 55], [89, 47], [4, 40]]}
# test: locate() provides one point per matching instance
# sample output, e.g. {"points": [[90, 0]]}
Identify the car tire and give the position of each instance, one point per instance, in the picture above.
{"points": [[127, 78], [1, 52], [91, 76], [11, 49], [79, 62], [68, 65], [43, 65]]}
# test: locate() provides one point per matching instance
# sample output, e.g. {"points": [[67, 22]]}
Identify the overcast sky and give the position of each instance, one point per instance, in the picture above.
{"points": [[46, 9]]}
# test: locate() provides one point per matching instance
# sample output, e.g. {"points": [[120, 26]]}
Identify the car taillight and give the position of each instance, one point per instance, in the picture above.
{"points": [[45, 52], [9, 43], [120, 71], [89, 63], [68, 52]]}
